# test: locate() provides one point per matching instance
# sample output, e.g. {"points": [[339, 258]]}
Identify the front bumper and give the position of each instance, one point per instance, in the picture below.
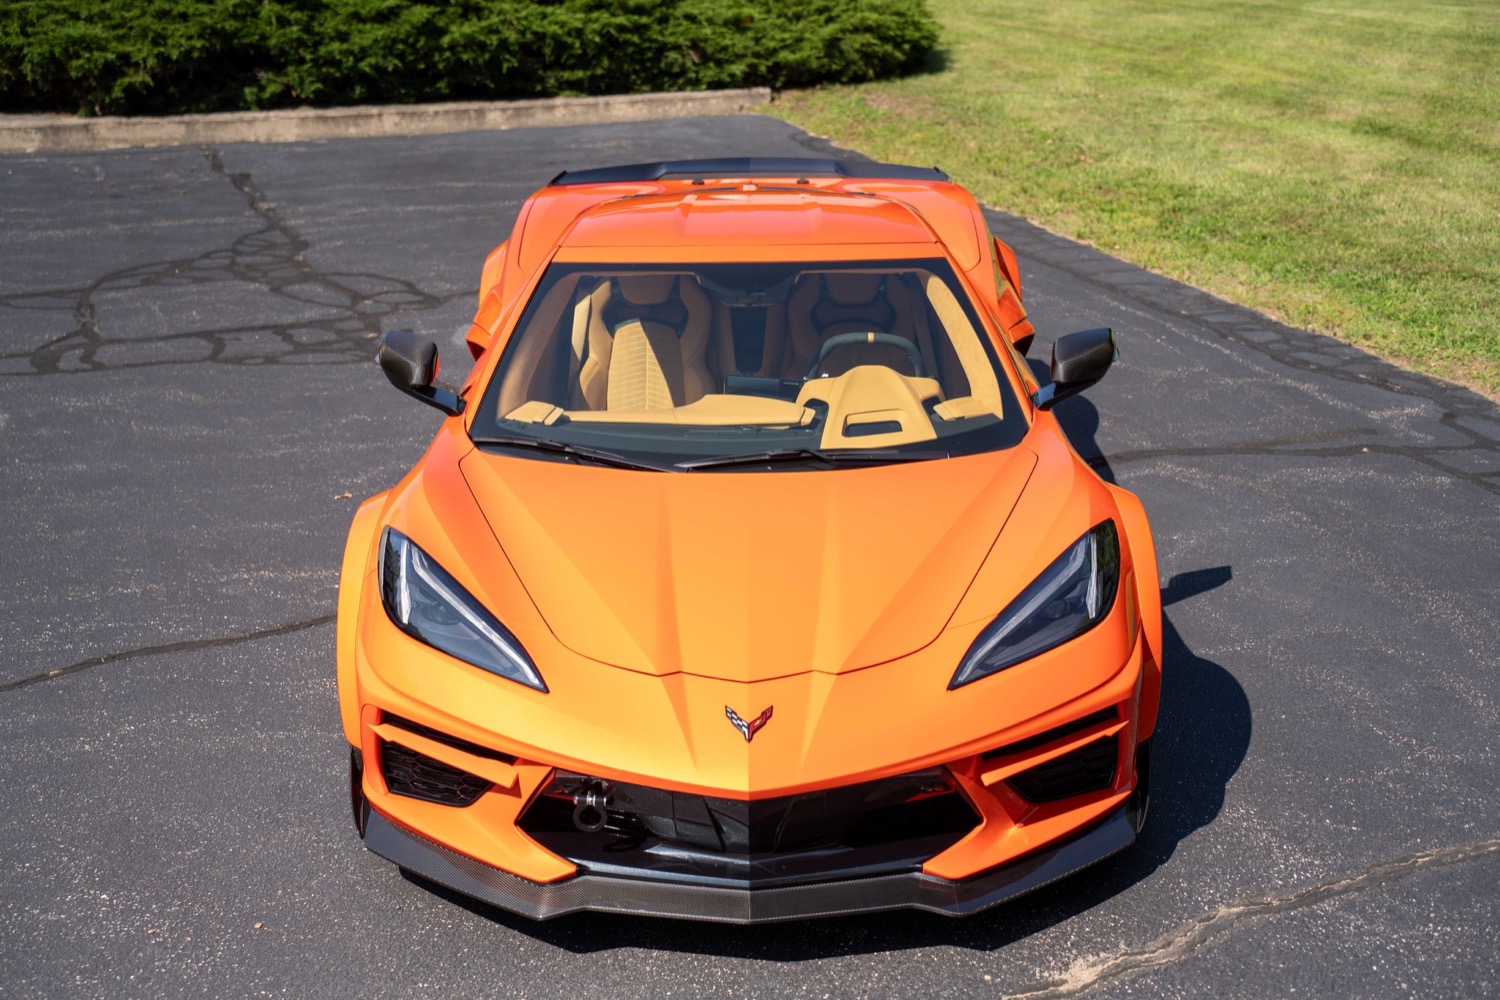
{"points": [[722, 904], [1032, 823], [990, 741]]}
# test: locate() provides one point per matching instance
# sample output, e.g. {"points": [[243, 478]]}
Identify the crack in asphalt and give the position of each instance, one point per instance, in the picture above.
{"points": [[1300, 350], [271, 258], [1288, 345], [1317, 446], [181, 646], [1086, 974]]}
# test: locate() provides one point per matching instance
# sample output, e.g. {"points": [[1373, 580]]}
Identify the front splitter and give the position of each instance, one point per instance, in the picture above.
{"points": [[720, 904]]}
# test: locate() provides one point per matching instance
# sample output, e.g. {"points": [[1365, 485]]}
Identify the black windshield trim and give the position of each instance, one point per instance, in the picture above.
{"points": [[577, 451], [841, 456]]}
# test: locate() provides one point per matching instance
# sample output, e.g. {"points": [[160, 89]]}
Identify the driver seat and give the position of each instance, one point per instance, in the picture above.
{"points": [[640, 342], [825, 305]]}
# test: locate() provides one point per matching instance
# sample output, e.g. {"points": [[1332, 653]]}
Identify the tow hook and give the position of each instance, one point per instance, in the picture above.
{"points": [[590, 806]]}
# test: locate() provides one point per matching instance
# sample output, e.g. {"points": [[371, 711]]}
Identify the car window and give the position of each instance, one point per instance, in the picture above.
{"points": [[676, 366]]}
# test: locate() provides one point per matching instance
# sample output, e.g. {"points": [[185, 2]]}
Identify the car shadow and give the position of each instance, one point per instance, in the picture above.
{"points": [[1202, 736], [1079, 419]]}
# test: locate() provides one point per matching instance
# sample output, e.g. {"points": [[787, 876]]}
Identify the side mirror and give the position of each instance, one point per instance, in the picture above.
{"points": [[411, 363], [1078, 361]]}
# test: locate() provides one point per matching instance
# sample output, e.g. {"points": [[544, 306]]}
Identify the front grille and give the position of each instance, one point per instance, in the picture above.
{"points": [[886, 825], [418, 776], [1090, 768]]}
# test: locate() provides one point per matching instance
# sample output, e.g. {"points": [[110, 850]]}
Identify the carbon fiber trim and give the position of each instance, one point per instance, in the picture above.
{"points": [[609, 894], [748, 166]]}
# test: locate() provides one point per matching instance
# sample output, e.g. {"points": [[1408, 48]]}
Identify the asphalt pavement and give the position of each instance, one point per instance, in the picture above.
{"points": [[189, 414]]}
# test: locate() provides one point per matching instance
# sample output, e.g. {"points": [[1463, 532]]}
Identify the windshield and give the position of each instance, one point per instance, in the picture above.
{"points": [[720, 366]]}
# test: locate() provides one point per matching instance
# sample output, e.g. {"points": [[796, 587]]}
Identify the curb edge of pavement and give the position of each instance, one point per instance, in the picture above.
{"points": [[64, 134]]}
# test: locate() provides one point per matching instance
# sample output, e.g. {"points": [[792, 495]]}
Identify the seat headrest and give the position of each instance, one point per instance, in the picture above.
{"points": [[646, 289], [852, 289]]}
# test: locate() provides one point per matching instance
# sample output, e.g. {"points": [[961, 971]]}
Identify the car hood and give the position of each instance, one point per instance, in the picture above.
{"points": [[747, 576]]}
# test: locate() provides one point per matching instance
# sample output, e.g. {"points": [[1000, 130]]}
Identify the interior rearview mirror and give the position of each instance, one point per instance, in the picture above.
{"points": [[1078, 361], [411, 363]]}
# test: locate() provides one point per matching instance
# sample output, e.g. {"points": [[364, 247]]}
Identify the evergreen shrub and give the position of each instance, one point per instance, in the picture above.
{"points": [[168, 56]]}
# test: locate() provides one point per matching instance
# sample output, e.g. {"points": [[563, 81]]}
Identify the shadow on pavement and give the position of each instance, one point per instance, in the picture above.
{"points": [[1079, 419], [1201, 739]]}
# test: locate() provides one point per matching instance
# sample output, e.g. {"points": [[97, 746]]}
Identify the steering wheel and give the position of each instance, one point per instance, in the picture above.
{"points": [[862, 337]]}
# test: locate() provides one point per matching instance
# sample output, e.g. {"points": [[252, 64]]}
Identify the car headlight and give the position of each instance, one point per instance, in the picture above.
{"points": [[1069, 598], [428, 604]]}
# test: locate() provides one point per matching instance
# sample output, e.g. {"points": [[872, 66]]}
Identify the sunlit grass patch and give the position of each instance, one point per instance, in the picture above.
{"points": [[1334, 164]]}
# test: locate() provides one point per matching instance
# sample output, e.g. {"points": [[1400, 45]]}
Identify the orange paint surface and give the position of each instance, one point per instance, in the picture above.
{"points": [[650, 602]]}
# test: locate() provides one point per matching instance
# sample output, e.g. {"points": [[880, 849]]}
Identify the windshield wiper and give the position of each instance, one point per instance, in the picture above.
{"points": [[579, 451], [833, 457]]}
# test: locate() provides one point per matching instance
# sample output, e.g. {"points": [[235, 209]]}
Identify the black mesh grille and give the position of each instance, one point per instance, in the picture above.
{"points": [[418, 776], [1090, 768], [891, 824]]}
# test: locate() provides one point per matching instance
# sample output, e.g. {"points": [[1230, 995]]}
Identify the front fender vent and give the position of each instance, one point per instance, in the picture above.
{"points": [[1090, 768], [417, 776]]}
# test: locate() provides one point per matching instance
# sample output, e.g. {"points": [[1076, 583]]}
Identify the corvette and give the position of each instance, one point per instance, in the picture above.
{"points": [[750, 576]]}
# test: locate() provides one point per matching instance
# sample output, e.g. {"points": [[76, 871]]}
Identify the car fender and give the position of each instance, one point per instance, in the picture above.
{"points": [[357, 554], [1148, 601], [491, 303]]}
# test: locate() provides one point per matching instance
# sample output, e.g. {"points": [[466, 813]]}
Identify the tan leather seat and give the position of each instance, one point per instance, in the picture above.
{"points": [[645, 369], [640, 342], [824, 305]]}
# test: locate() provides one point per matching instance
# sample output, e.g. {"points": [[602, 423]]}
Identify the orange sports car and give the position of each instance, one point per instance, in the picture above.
{"points": [[750, 576]]}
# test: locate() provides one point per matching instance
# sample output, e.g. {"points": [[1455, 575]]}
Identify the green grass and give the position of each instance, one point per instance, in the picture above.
{"points": [[1334, 164]]}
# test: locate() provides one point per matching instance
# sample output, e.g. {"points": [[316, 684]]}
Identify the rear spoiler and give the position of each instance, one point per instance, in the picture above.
{"points": [[748, 166]]}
